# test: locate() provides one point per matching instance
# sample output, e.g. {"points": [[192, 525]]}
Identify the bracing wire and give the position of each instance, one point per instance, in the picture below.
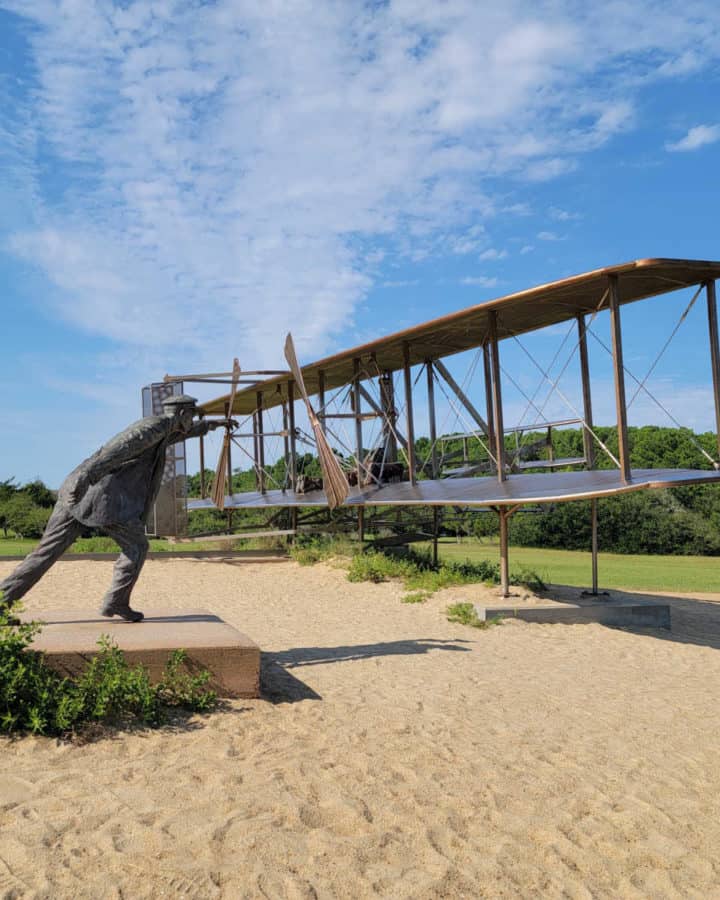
{"points": [[666, 344], [461, 418], [568, 402], [657, 402], [470, 373]]}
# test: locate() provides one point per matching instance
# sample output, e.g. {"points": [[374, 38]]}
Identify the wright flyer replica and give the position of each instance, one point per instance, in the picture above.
{"points": [[377, 387]]}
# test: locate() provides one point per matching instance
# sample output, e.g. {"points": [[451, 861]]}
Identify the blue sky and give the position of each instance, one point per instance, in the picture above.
{"points": [[182, 182]]}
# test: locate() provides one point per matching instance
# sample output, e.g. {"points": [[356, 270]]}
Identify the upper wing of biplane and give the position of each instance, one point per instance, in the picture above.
{"points": [[515, 314]]}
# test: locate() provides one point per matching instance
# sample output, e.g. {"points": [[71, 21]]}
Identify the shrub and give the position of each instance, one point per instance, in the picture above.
{"points": [[419, 573], [377, 567], [34, 698], [465, 614], [309, 550]]}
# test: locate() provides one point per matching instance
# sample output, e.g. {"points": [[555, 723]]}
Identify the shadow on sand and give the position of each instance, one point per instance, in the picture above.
{"points": [[281, 686], [694, 620]]}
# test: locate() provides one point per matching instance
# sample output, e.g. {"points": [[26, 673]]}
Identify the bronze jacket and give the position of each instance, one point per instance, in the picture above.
{"points": [[125, 473]]}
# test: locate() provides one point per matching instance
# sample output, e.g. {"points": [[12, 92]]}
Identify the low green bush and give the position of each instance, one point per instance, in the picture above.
{"points": [[419, 573], [415, 597], [34, 698], [307, 550]]}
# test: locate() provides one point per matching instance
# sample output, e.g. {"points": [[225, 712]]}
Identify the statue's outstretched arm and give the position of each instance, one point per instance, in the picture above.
{"points": [[199, 429], [202, 427]]}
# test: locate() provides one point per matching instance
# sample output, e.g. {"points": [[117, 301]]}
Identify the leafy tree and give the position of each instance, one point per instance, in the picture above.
{"points": [[7, 489], [20, 515], [40, 493]]}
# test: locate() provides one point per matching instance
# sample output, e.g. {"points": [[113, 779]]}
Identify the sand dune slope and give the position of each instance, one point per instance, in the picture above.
{"points": [[394, 755]]}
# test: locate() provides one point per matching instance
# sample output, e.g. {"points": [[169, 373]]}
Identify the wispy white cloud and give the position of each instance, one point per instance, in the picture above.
{"points": [[479, 281], [562, 215], [401, 283], [527, 248], [549, 236], [493, 253], [699, 136], [225, 166]]}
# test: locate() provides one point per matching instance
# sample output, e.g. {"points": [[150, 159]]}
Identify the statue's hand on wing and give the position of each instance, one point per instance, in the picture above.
{"points": [[230, 424]]}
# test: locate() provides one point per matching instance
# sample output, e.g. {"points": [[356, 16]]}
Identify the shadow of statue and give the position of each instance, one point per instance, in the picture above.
{"points": [[279, 685]]}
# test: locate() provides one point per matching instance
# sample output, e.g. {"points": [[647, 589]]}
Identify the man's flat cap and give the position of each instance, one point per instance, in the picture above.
{"points": [[179, 401]]}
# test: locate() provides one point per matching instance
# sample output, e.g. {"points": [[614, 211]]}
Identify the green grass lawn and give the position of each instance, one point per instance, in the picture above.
{"points": [[615, 570], [640, 573]]}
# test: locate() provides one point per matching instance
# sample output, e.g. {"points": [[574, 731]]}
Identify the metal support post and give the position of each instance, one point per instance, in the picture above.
{"points": [[229, 455], [321, 399], [619, 368], [260, 443], [714, 353], [361, 524], [358, 421], [504, 563], [291, 428], [286, 444], [588, 440], [410, 426], [487, 371], [387, 410], [497, 396], [229, 513], [433, 421], [203, 487], [594, 533], [436, 524]]}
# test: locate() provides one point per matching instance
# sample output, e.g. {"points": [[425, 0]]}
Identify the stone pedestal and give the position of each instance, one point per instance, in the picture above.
{"points": [[69, 638]]}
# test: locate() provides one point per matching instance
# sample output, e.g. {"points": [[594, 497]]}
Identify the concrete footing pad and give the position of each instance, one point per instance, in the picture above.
{"points": [[69, 638], [610, 612]]}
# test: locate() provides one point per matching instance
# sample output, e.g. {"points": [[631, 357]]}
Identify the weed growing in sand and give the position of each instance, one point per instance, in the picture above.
{"points": [[465, 614], [309, 550], [34, 698], [415, 597]]}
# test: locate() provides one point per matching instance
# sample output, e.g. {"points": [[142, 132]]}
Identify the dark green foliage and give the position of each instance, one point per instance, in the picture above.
{"points": [[40, 494], [7, 489], [34, 698]]}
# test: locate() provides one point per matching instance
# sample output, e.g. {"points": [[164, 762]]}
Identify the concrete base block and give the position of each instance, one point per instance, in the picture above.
{"points": [[69, 639], [645, 615]]}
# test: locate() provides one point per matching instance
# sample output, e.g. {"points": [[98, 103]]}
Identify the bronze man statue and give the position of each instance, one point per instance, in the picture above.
{"points": [[114, 491]]}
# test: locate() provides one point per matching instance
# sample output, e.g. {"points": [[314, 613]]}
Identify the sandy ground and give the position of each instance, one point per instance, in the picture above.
{"points": [[394, 754]]}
